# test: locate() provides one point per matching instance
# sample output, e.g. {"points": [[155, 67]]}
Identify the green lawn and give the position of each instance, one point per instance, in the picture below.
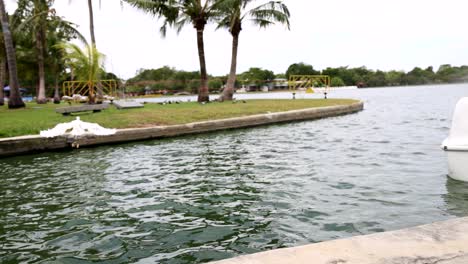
{"points": [[34, 117]]}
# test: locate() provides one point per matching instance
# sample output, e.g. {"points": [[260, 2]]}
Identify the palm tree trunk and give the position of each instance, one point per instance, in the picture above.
{"points": [[203, 95], [41, 97], [2, 80], [15, 100], [91, 22], [56, 92], [92, 97], [92, 94], [229, 90]]}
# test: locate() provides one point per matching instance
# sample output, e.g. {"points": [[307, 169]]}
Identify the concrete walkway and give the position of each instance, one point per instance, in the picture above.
{"points": [[438, 243]]}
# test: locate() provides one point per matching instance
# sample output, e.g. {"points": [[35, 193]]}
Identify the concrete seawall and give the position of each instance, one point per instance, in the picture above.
{"points": [[442, 243], [36, 143]]}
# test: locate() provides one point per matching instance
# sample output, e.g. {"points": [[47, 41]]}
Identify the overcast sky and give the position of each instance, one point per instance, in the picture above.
{"points": [[378, 34]]}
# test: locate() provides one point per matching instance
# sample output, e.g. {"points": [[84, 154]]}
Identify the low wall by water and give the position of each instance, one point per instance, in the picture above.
{"points": [[442, 243], [36, 143]]}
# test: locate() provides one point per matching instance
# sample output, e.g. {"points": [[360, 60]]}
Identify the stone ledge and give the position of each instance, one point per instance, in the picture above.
{"points": [[81, 108], [36, 143], [441, 242]]}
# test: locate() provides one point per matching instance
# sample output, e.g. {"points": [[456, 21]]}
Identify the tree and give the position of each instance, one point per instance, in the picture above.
{"points": [[93, 37], [446, 73], [215, 84], [179, 13], [87, 64], [257, 76], [416, 76], [165, 78], [2, 78], [38, 19], [15, 100], [41, 10], [300, 69], [394, 78], [233, 13], [360, 76], [37, 12], [280, 76], [376, 79], [59, 32], [2, 70]]}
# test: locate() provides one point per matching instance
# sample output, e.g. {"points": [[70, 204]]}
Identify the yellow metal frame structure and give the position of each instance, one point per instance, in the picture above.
{"points": [[307, 82], [109, 87]]}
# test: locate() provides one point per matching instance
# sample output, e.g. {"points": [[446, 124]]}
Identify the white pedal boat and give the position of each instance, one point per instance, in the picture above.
{"points": [[456, 145]]}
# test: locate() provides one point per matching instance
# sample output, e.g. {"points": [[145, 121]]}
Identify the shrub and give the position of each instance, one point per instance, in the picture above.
{"points": [[337, 82], [214, 85]]}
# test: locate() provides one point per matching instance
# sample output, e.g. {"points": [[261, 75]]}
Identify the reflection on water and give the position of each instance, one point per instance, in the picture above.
{"points": [[456, 197], [207, 197]]}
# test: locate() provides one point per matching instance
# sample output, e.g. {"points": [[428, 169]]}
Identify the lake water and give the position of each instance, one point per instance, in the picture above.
{"points": [[207, 197]]}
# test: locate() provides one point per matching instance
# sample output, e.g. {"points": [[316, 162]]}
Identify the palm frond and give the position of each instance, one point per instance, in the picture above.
{"points": [[87, 64], [69, 26], [227, 14], [147, 5], [181, 23], [167, 9], [156, 8], [28, 21], [230, 14], [270, 13]]}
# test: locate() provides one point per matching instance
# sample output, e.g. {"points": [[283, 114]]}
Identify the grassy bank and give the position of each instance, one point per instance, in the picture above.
{"points": [[34, 117]]}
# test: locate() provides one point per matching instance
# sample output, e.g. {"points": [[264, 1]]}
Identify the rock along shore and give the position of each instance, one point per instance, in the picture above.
{"points": [[35, 143]]}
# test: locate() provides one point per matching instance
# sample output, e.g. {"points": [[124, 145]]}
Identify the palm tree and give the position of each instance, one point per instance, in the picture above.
{"points": [[87, 64], [15, 100], [60, 31], [37, 12], [40, 20], [234, 13], [179, 13], [41, 10]]}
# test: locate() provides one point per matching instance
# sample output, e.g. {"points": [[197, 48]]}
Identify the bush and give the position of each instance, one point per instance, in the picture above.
{"points": [[134, 89], [337, 82], [214, 85], [194, 85], [159, 86], [177, 85]]}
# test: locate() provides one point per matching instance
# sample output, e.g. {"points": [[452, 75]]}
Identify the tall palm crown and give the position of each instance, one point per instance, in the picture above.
{"points": [[191, 12], [179, 13], [231, 16], [234, 12]]}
